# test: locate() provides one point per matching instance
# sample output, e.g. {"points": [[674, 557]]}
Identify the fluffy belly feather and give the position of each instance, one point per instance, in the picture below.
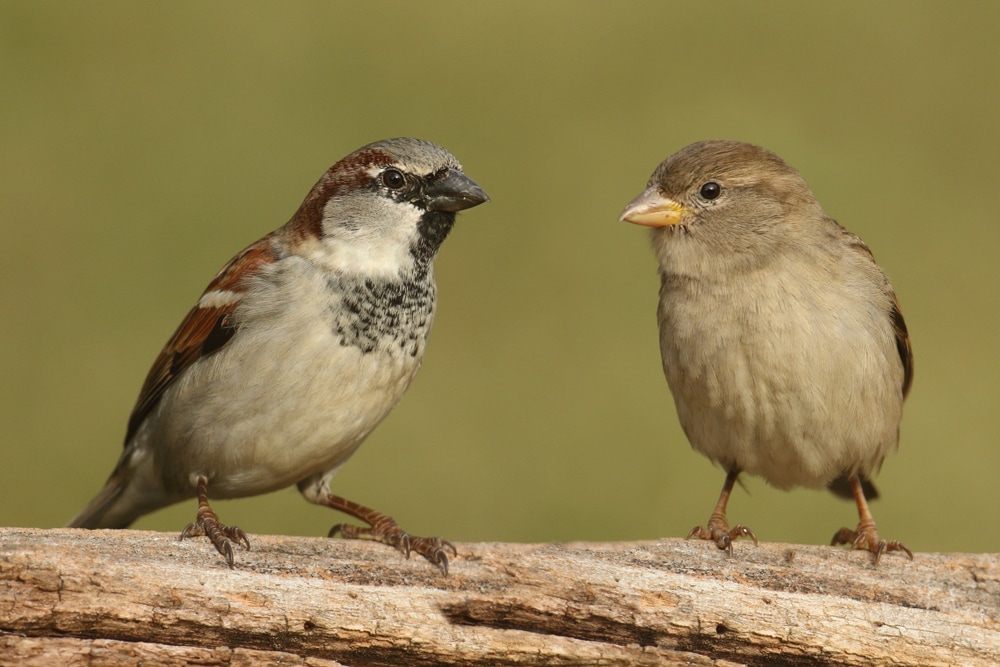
{"points": [[294, 406], [779, 390]]}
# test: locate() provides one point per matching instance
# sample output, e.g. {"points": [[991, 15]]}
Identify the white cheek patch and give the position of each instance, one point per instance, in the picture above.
{"points": [[378, 244], [219, 299]]}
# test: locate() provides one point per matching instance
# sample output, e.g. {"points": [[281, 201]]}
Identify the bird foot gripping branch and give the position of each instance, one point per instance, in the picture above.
{"points": [[718, 530], [866, 536], [384, 529], [722, 535], [207, 524]]}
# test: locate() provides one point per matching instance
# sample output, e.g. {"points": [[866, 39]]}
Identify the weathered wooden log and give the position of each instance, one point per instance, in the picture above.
{"points": [[110, 598]]}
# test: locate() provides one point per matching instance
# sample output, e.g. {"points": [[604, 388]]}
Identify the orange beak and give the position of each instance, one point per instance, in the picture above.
{"points": [[652, 209]]}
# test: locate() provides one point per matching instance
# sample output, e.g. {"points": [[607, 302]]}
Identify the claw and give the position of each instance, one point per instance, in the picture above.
{"points": [[236, 534], [718, 530], [383, 528], [207, 524], [866, 536], [722, 535], [227, 551], [435, 550]]}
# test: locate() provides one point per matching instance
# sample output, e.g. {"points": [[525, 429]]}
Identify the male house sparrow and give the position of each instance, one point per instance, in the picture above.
{"points": [[781, 338], [297, 349]]}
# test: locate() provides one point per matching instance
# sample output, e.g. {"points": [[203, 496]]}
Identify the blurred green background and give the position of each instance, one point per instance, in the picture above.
{"points": [[143, 144]]}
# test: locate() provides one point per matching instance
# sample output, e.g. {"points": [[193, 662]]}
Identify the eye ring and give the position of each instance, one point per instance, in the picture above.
{"points": [[710, 190], [393, 179]]}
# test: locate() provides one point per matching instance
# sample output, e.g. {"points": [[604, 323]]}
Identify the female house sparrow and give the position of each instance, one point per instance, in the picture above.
{"points": [[781, 338], [297, 349]]}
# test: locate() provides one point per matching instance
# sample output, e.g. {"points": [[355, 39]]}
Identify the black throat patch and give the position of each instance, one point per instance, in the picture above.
{"points": [[392, 316], [434, 227]]}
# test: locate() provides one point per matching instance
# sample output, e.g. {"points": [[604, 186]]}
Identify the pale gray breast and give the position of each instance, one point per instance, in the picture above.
{"points": [[787, 373]]}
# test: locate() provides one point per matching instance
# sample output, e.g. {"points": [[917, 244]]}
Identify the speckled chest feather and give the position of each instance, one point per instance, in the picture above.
{"points": [[384, 314]]}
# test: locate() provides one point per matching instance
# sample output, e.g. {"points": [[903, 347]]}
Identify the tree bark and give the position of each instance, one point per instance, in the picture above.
{"points": [[110, 598]]}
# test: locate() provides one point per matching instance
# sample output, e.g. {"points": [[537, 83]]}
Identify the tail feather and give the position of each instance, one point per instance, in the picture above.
{"points": [[841, 488], [98, 514], [128, 494]]}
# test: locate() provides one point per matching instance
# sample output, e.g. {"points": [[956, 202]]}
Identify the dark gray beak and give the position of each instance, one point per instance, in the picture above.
{"points": [[454, 191]]}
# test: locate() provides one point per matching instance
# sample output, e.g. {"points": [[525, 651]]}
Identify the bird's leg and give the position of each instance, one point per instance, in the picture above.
{"points": [[865, 536], [383, 528], [207, 523], [718, 529]]}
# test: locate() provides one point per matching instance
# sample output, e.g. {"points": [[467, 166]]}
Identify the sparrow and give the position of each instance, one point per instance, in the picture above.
{"points": [[296, 351], [782, 340]]}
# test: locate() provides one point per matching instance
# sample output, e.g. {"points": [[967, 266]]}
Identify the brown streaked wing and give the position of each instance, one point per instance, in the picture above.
{"points": [[903, 345], [203, 331]]}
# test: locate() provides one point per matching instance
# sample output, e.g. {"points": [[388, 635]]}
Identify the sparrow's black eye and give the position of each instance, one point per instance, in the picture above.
{"points": [[392, 179], [710, 190]]}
